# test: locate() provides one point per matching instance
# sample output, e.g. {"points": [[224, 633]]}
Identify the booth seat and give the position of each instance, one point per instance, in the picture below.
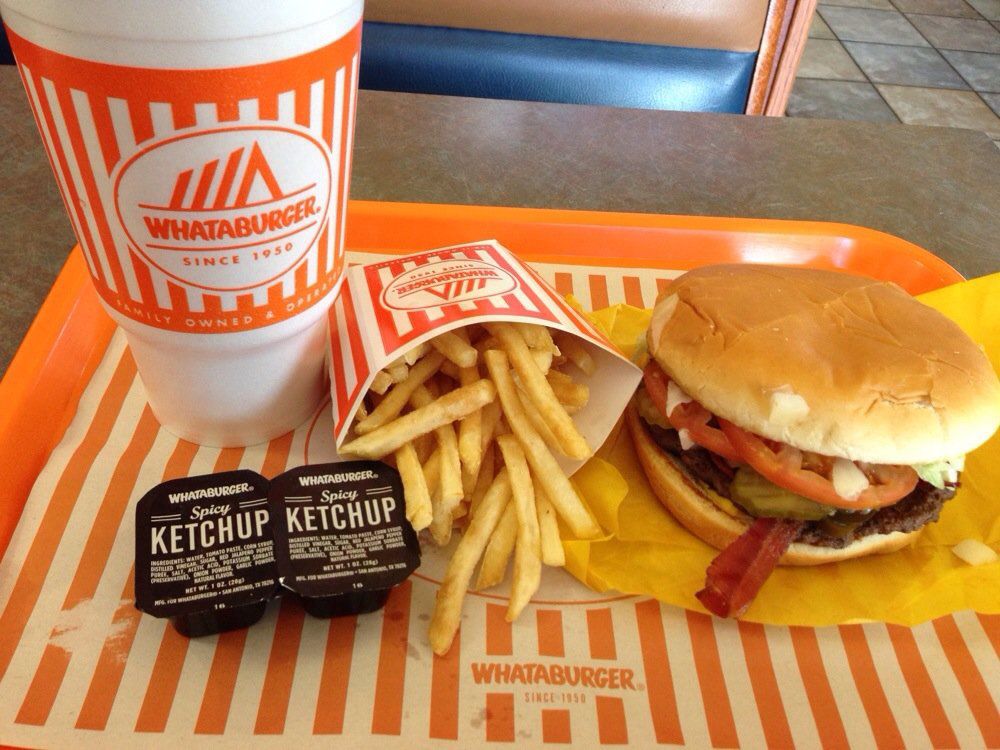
{"points": [[694, 55]]}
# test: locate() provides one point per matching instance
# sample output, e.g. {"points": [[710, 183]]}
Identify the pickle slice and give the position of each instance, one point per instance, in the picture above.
{"points": [[764, 499]]}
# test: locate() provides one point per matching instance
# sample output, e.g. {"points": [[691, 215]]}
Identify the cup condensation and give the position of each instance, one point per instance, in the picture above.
{"points": [[203, 153]]}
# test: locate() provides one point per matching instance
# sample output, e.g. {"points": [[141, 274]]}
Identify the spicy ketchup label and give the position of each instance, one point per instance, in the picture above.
{"points": [[207, 201]]}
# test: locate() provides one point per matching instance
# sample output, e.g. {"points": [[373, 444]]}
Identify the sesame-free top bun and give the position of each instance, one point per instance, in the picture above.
{"points": [[688, 501], [884, 378]]}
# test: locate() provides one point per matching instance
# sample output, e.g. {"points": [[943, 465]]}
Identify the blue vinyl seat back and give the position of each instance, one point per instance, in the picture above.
{"points": [[502, 65]]}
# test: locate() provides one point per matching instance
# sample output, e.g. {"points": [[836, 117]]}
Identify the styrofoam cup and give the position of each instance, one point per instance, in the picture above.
{"points": [[203, 153]]}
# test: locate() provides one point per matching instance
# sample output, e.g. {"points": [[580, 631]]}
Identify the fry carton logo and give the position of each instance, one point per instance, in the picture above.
{"points": [[211, 209], [446, 281]]}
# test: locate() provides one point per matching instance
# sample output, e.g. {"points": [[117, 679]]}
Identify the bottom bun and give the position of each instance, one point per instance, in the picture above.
{"points": [[689, 502]]}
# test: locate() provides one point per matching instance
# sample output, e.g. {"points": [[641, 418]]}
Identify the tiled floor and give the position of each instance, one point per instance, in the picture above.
{"points": [[926, 62]]}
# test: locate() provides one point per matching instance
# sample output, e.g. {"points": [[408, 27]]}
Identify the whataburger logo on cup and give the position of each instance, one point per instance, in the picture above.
{"points": [[386, 308], [209, 200], [228, 208]]}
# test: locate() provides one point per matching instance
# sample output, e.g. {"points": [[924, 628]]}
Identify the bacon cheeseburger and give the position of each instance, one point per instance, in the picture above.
{"points": [[798, 417]]}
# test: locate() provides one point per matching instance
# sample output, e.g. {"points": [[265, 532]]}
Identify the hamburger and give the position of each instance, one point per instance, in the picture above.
{"points": [[798, 417]]}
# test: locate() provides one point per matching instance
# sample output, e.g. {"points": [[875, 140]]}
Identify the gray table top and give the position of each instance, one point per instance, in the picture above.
{"points": [[936, 187]]}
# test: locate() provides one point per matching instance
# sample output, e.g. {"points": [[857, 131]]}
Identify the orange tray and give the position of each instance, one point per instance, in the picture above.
{"points": [[739, 699], [70, 333]]}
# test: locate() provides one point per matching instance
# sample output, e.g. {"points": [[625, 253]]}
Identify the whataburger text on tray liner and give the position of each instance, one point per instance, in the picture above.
{"points": [[469, 336]]}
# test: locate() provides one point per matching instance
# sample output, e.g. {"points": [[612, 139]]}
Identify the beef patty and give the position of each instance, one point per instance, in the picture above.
{"points": [[920, 507]]}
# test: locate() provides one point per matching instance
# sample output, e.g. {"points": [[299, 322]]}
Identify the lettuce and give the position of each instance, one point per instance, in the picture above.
{"points": [[941, 473]]}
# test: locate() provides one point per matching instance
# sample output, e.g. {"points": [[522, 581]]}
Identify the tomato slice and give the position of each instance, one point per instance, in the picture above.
{"points": [[690, 416], [655, 381], [782, 464], [694, 418]]}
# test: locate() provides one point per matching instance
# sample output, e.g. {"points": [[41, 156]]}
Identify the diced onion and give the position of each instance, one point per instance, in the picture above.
{"points": [[675, 397], [974, 552], [955, 465], [787, 408], [848, 480], [686, 442]]}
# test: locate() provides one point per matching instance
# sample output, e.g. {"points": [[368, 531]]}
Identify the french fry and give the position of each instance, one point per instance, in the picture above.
{"points": [[425, 445], [527, 553], [450, 369], [433, 386], [468, 483], [394, 401], [432, 472], [494, 565], [577, 353], [452, 346], [448, 608], [470, 429], [543, 359], [540, 392], [415, 491], [544, 466], [483, 481], [449, 488], [381, 382], [491, 416], [548, 529], [412, 355], [486, 342], [362, 411], [535, 336], [538, 423], [450, 481], [452, 406], [570, 393], [398, 371], [448, 492]]}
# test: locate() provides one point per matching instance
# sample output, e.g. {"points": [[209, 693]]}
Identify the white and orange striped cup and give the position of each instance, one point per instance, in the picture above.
{"points": [[203, 153]]}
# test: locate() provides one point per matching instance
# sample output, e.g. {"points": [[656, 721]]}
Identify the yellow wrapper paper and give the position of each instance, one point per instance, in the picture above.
{"points": [[644, 551]]}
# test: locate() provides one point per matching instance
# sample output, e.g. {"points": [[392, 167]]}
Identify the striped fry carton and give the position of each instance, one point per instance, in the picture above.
{"points": [[386, 308]]}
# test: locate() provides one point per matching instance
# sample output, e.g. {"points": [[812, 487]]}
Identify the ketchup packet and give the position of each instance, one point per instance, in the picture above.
{"points": [[341, 536], [204, 552]]}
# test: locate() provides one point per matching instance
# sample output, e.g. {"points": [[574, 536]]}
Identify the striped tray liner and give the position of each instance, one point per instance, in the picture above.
{"points": [[79, 666]]}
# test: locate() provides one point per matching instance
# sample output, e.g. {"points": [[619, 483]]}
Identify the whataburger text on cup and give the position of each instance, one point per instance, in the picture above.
{"points": [[203, 153]]}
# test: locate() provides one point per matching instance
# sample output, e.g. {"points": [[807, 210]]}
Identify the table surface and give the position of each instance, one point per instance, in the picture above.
{"points": [[936, 187]]}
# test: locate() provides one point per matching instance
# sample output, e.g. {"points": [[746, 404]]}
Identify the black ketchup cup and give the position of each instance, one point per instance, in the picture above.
{"points": [[342, 540], [204, 552]]}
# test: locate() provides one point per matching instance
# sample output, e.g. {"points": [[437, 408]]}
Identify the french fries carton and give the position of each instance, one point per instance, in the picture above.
{"points": [[387, 308]]}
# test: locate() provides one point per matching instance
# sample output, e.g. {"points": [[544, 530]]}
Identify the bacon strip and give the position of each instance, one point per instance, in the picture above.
{"points": [[736, 574]]}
